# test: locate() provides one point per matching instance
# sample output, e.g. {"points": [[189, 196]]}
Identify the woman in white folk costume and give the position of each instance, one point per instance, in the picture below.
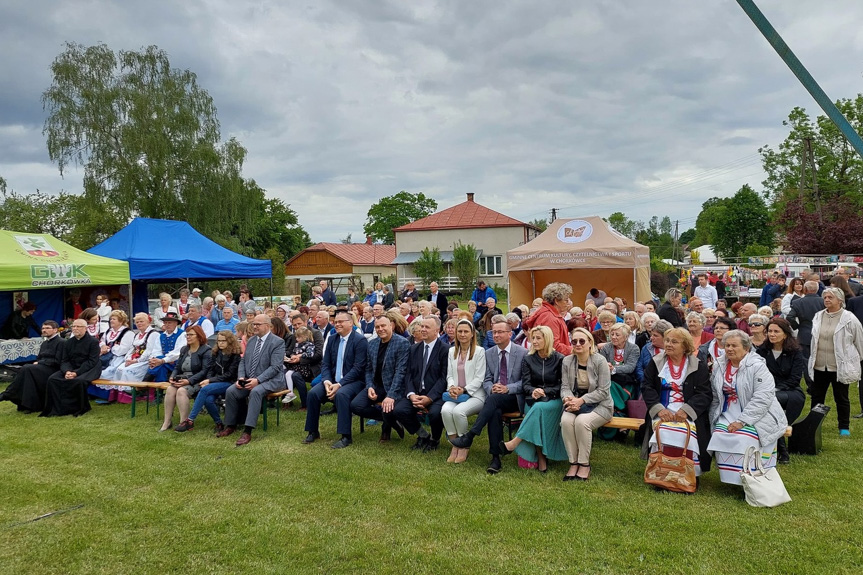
{"points": [[103, 308], [163, 308], [145, 346], [676, 389], [744, 411], [115, 343], [714, 349]]}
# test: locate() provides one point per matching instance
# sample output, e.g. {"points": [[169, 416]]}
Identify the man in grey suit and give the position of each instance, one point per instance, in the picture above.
{"points": [[503, 386], [800, 317], [343, 376], [386, 368], [261, 373]]}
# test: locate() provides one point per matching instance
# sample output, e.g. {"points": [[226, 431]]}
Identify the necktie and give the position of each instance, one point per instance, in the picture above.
{"points": [[256, 357], [340, 358], [425, 365], [503, 372]]}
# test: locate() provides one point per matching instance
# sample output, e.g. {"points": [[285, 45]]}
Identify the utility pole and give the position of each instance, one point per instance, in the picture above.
{"points": [[553, 214], [674, 249]]}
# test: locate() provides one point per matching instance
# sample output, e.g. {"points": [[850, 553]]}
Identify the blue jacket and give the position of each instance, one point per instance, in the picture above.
{"points": [[395, 366], [353, 361], [479, 296]]}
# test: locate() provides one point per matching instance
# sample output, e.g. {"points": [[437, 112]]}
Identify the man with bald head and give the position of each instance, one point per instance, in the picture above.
{"points": [[66, 390], [746, 310], [261, 372]]}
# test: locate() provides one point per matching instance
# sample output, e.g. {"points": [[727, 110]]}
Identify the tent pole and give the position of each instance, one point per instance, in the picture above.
{"points": [[131, 311], [271, 292], [634, 286], [532, 286]]}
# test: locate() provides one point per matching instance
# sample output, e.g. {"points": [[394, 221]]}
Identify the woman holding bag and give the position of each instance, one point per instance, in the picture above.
{"points": [[587, 405], [744, 411], [676, 388], [465, 394]]}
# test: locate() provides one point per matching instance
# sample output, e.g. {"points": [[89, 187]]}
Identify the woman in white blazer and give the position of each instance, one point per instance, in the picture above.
{"points": [[465, 394]]}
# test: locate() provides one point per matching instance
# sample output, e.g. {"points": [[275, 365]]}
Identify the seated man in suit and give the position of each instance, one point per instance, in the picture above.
{"points": [[426, 382], [66, 389], [386, 368], [261, 373], [34, 376], [342, 378], [503, 386]]}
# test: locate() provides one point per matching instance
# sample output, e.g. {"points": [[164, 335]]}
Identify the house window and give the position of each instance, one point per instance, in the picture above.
{"points": [[490, 266]]}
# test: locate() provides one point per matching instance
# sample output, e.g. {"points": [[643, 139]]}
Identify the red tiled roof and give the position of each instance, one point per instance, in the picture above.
{"points": [[467, 214], [359, 254]]}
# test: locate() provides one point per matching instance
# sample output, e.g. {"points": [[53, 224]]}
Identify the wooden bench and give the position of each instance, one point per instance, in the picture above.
{"points": [[265, 405], [159, 386], [513, 420]]}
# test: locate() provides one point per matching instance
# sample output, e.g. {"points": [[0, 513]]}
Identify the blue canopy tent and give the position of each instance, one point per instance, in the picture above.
{"points": [[164, 250]]}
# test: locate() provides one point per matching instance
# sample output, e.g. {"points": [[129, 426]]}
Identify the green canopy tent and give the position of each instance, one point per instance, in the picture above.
{"points": [[43, 266]]}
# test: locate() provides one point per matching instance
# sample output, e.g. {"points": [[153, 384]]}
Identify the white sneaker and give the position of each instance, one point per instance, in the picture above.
{"points": [[289, 398]]}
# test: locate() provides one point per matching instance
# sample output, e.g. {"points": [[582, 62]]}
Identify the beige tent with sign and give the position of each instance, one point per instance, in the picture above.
{"points": [[584, 253]]}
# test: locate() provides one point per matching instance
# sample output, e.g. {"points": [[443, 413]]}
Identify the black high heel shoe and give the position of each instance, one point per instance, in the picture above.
{"points": [[503, 449]]}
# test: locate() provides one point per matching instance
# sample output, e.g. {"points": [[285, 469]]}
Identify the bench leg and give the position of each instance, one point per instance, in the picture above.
{"points": [[278, 412], [158, 400], [134, 400]]}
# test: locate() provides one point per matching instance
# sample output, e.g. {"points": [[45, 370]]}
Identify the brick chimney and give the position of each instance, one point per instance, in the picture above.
{"points": [[470, 196], [368, 240]]}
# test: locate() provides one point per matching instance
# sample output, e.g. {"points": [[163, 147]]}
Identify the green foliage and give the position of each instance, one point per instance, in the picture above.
{"points": [[705, 224], [741, 222], [687, 236], [394, 211], [540, 223], [38, 213], [148, 139], [627, 227], [429, 267], [657, 235], [695, 258], [465, 265], [261, 287]]}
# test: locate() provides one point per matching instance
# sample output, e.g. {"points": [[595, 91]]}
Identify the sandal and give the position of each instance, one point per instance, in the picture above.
{"points": [[580, 467]]}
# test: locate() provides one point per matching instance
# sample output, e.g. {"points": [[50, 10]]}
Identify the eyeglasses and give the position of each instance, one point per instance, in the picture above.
{"points": [[579, 341], [756, 324]]}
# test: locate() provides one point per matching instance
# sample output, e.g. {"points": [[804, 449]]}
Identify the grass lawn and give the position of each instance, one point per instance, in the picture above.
{"points": [[140, 501]]}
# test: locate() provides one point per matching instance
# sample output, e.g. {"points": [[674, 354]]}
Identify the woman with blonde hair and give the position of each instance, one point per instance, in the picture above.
{"points": [[587, 404], [465, 394], [538, 438], [637, 333]]}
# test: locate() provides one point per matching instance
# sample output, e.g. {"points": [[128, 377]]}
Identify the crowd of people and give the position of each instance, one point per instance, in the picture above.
{"points": [[711, 379]]}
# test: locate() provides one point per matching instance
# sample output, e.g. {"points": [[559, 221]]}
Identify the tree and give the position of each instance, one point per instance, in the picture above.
{"points": [[627, 227], [540, 223], [841, 230], [278, 227], [148, 139], [657, 235], [261, 287], [687, 236], [695, 258], [465, 265], [706, 221], [742, 222], [429, 266], [394, 211]]}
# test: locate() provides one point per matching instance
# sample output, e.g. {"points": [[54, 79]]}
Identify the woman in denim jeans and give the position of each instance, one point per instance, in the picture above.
{"points": [[222, 374]]}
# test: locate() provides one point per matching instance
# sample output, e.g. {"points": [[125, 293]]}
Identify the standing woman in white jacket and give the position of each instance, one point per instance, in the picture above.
{"points": [[834, 358], [465, 394]]}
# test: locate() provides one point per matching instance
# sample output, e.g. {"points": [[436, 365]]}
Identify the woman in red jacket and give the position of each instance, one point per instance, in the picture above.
{"points": [[555, 302]]}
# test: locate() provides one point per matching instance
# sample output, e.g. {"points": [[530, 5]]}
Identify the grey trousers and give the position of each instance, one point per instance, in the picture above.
{"points": [[235, 403]]}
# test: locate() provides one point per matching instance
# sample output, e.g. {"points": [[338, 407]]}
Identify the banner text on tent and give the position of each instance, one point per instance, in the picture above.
{"points": [[43, 275]]}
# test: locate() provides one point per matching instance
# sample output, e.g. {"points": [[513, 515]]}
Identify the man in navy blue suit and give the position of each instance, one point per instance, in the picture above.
{"points": [[386, 368], [426, 382], [342, 378]]}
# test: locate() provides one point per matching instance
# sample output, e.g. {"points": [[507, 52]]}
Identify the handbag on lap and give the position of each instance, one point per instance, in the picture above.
{"points": [[763, 487], [671, 473]]}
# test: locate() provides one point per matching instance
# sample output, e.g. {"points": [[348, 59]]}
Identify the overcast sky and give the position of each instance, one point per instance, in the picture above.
{"points": [[590, 107]]}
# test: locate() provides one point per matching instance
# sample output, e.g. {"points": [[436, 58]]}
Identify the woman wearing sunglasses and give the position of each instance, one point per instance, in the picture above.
{"points": [[758, 327], [587, 404]]}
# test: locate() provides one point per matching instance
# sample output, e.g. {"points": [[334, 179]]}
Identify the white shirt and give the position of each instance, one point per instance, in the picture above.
{"points": [[707, 295]]}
